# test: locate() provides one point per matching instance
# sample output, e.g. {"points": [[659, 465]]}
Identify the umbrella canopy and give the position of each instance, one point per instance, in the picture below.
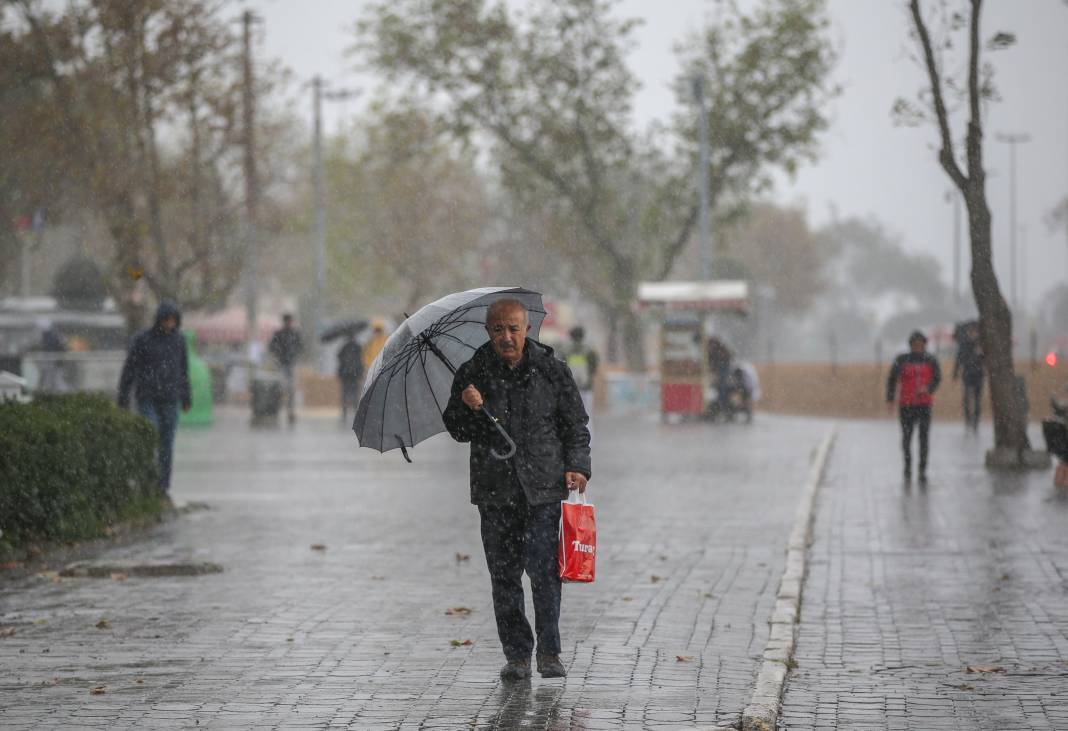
{"points": [[342, 328], [408, 384]]}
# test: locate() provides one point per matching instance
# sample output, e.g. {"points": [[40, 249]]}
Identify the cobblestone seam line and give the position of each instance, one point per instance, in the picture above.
{"points": [[763, 710]]}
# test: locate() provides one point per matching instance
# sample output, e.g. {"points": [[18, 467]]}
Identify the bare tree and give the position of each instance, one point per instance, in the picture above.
{"points": [[969, 176]]}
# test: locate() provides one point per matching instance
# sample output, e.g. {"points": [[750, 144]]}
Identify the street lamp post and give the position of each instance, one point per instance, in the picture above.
{"points": [[953, 197], [1012, 140], [319, 233]]}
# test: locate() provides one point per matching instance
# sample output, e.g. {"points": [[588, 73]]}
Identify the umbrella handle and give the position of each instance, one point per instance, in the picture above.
{"points": [[503, 433]]}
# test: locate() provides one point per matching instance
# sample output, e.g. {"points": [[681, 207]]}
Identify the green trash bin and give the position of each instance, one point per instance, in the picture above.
{"points": [[201, 413]]}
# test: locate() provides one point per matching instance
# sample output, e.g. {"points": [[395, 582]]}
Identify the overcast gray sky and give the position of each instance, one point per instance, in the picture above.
{"points": [[868, 166]]}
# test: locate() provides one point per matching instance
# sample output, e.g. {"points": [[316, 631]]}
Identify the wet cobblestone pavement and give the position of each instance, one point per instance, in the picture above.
{"points": [[693, 521], [908, 588]]}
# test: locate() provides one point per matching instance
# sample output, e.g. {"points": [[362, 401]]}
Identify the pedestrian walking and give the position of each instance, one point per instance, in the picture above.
{"points": [[537, 401], [349, 373], [969, 368], [157, 372], [287, 346], [914, 378], [374, 343], [583, 361]]}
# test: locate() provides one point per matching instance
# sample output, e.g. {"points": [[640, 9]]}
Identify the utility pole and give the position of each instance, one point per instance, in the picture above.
{"points": [[703, 225], [319, 299], [1012, 140], [251, 192], [318, 308]]}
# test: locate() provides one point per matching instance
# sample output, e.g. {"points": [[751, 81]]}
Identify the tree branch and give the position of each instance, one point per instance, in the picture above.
{"points": [[946, 156], [974, 141]]}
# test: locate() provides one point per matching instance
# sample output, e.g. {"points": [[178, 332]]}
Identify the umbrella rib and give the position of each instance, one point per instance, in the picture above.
{"points": [[429, 385], [453, 337]]}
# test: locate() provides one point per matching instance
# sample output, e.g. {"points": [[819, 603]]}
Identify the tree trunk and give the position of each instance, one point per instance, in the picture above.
{"points": [[633, 343], [995, 326]]}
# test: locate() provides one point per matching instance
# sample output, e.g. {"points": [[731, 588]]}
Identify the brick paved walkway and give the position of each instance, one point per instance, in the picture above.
{"points": [[693, 522], [909, 587]]}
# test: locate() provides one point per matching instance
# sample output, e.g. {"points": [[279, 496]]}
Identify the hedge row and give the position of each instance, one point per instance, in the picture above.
{"points": [[70, 465]]}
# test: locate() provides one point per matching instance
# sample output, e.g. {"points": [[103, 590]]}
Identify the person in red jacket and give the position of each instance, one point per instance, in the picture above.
{"points": [[913, 379]]}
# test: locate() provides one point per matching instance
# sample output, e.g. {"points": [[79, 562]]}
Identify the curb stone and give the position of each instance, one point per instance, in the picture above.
{"points": [[762, 713]]}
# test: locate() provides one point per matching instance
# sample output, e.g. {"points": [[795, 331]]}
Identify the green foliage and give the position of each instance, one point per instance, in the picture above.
{"points": [[550, 88], [71, 465]]}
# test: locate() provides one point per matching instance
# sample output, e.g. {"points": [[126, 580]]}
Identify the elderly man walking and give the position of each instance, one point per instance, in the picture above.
{"points": [[534, 396]]}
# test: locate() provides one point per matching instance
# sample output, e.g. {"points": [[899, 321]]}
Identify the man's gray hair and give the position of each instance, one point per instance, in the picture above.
{"points": [[498, 308]]}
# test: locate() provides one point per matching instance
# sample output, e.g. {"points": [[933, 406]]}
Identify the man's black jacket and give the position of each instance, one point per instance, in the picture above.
{"points": [[539, 405], [157, 366]]}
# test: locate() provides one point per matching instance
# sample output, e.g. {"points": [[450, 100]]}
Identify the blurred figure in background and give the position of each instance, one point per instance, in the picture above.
{"points": [[374, 343], [969, 368], [349, 373], [286, 347], [583, 361], [914, 378], [157, 371], [52, 376]]}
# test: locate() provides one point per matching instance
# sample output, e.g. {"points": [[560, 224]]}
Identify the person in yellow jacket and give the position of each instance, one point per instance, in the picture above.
{"points": [[374, 343]]}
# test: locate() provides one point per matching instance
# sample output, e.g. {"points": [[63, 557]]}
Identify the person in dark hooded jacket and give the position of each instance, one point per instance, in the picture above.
{"points": [[536, 400], [157, 371]]}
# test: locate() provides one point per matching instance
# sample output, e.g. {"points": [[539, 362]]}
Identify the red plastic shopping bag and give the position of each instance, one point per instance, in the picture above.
{"points": [[578, 539]]}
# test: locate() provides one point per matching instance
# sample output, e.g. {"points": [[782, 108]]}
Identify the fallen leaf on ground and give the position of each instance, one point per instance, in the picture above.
{"points": [[318, 547], [7, 631], [458, 611], [119, 576], [462, 557], [140, 681], [461, 643], [965, 686], [98, 690], [289, 639], [663, 558], [103, 624], [708, 595], [984, 669], [1005, 577], [684, 658], [40, 622], [378, 578], [654, 578], [52, 576]]}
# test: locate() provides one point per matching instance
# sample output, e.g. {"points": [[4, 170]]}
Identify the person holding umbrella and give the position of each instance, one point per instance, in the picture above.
{"points": [[349, 373], [534, 398]]}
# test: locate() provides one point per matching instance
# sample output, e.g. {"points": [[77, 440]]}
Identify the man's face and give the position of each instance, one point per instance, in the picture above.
{"points": [[169, 323], [508, 331], [918, 345]]}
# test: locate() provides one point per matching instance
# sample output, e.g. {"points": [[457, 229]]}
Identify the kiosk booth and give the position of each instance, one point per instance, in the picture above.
{"points": [[685, 311]]}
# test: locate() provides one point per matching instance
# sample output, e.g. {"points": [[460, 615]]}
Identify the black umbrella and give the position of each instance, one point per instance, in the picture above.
{"points": [[342, 328], [409, 382]]}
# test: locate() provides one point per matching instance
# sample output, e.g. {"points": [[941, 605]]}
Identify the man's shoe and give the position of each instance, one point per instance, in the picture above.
{"points": [[923, 478], [516, 670], [550, 666]]}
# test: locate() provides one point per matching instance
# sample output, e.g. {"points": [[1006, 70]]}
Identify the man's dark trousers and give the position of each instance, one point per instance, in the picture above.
{"points": [[911, 417], [164, 416], [518, 536]]}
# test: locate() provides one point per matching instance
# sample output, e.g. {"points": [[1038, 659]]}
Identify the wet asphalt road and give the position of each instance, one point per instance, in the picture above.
{"points": [[693, 521]]}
